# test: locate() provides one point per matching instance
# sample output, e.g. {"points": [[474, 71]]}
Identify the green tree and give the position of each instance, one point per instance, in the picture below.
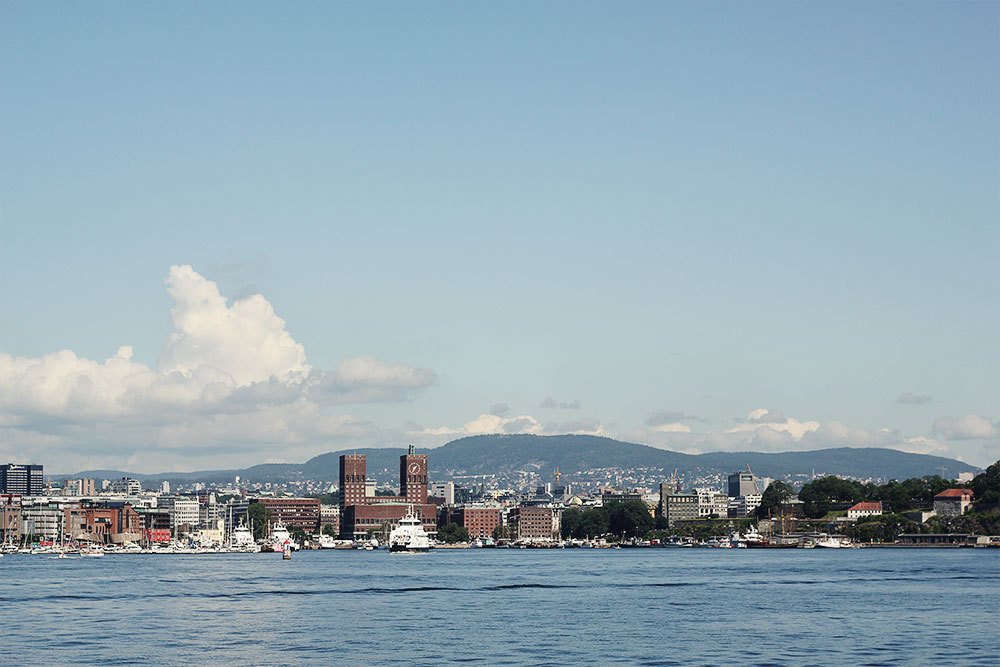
{"points": [[774, 495], [498, 533], [819, 495], [452, 533], [594, 522], [328, 529], [631, 519], [571, 519], [258, 516], [986, 487], [884, 528], [909, 494]]}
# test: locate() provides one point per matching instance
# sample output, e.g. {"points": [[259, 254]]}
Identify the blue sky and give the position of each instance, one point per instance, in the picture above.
{"points": [[665, 217]]}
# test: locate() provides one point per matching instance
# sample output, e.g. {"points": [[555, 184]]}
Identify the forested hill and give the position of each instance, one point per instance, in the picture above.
{"points": [[489, 454]]}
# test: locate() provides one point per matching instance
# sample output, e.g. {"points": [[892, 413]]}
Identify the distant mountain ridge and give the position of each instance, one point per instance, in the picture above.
{"points": [[491, 454]]}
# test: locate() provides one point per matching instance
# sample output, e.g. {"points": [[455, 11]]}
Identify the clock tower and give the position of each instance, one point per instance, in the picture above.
{"points": [[413, 477]]}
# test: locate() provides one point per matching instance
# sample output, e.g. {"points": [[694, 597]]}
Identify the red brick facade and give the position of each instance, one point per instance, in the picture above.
{"points": [[361, 515], [104, 524], [536, 524], [294, 512], [479, 521]]}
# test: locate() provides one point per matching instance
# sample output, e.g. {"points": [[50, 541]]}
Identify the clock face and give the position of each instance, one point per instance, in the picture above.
{"points": [[414, 468]]}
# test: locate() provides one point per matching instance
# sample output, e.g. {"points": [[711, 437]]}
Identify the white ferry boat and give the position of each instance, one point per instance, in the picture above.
{"points": [[409, 535], [281, 537]]}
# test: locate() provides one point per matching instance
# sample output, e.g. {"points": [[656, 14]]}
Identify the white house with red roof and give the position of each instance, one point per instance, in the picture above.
{"points": [[864, 509], [953, 502]]}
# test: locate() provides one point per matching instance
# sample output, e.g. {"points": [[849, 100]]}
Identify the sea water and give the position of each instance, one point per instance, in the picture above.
{"points": [[506, 607]]}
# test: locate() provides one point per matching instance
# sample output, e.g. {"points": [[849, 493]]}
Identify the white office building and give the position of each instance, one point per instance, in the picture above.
{"points": [[183, 510], [712, 503], [444, 490], [127, 486]]}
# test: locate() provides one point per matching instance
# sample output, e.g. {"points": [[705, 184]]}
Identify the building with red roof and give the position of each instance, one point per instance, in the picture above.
{"points": [[953, 502], [864, 509]]}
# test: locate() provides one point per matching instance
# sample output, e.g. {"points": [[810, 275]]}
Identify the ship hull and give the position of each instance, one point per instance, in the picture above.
{"points": [[403, 549]]}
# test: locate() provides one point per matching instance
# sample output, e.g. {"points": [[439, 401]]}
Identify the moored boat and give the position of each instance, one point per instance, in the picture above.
{"points": [[409, 536], [280, 537]]}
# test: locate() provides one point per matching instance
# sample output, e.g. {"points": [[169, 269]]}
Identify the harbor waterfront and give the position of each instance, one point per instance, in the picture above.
{"points": [[638, 606]]}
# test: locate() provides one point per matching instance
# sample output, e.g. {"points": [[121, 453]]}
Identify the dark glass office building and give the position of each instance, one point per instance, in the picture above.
{"points": [[23, 479]]}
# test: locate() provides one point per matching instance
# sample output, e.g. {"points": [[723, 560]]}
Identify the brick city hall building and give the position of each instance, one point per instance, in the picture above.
{"points": [[361, 514]]}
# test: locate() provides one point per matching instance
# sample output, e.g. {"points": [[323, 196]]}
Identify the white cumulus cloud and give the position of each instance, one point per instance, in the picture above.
{"points": [[245, 341], [969, 427], [486, 424], [230, 378], [762, 421]]}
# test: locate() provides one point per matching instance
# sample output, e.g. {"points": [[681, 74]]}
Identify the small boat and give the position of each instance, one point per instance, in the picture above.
{"points": [[409, 536], [828, 543], [286, 552]]}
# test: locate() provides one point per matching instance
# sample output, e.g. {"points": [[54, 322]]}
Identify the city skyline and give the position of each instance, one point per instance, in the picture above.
{"points": [[235, 238]]}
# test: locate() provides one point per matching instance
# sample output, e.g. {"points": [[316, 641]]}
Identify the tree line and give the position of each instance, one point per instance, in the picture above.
{"points": [[625, 519]]}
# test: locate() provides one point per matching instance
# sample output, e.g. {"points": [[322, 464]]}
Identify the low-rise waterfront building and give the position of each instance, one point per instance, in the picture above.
{"points": [[941, 539], [864, 509], [536, 524], [479, 520], [10, 519], [44, 521], [155, 525], [675, 506], [111, 523], [953, 502]]}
